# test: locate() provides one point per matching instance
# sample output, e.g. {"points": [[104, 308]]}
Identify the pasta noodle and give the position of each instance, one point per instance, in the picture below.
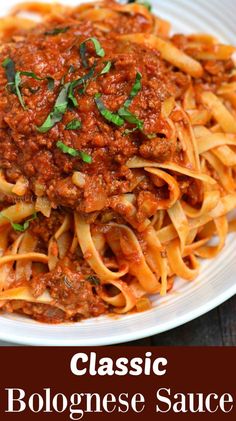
{"points": [[117, 158]]}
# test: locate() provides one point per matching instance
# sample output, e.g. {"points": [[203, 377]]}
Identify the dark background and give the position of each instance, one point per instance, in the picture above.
{"points": [[216, 328]]}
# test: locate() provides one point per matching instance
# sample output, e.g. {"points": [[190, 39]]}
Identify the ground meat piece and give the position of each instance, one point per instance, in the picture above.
{"points": [[158, 149], [64, 192], [71, 291], [44, 228]]}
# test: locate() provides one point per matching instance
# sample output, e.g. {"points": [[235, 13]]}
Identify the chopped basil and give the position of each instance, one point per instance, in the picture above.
{"points": [[20, 227], [81, 81], [98, 48], [73, 124], [145, 3], [17, 88], [130, 117], [66, 94], [93, 279], [56, 31], [58, 111], [137, 86], [73, 152], [85, 157], [106, 68], [71, 69], [51, 83], [108, 115], [9, 66], [14, 79], [17, 83], [125, 113]]}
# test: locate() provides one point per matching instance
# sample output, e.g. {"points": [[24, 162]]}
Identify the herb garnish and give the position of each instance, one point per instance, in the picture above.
{"points": [[56, 31], [108, 115], [14, 79], [9, 66], [93, 279], [73, 152], [106, 68], [73, 124], [98, 48], [81, 81], [58, 111], [137, 86], [145, 3], [20, 227], [65, 96], [18, 81], [130, 117], [123, 114]]}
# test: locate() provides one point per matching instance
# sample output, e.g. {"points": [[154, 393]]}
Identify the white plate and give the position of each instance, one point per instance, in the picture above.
{"points": [[187, 301]]}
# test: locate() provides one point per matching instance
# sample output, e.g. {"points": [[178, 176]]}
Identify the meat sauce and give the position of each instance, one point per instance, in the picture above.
{"points": [[25, 151]]}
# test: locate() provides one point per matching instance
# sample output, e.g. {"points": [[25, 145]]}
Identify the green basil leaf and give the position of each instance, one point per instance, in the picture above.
{"points": [[51, 83], [17, 88], [71, 69], [106, 68], [144, 3], [62, 99], [9, 66], [73, 124], [130, 117], [81, 81], [58, 111], [108, 115], [73, 152], [66, 149], [93, 279], [14, 79], [20, 227], [56, 31], [98, 48], [137, 86], [85, 157]]}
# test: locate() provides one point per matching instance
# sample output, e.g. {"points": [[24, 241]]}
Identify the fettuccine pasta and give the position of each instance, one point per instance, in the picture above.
{"points": [[117, 157]]}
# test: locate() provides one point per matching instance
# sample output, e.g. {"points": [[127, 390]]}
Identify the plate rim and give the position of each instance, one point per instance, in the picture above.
{"points": [[127, 335]]}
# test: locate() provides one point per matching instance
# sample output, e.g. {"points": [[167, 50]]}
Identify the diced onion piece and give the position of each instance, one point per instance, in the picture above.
{"points": [[39, 189], [43, 205], [78, 179]]}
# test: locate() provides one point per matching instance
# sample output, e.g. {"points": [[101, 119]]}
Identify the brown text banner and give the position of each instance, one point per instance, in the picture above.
{"points": [[120, 382]]}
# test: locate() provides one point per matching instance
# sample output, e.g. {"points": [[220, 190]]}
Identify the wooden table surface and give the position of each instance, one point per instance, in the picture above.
{"points": [[216, 328]]}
